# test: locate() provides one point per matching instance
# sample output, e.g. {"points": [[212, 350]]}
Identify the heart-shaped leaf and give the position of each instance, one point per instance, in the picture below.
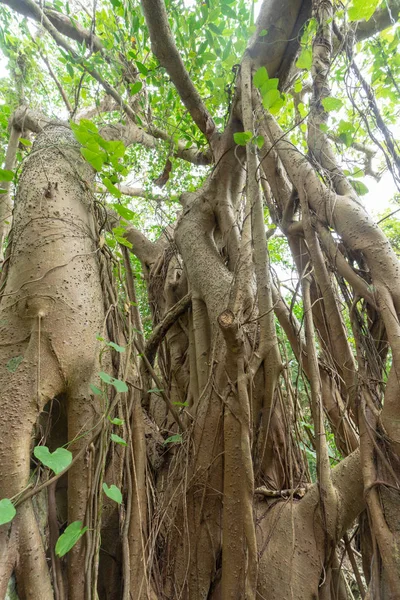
{"points": [[111, 188], [116, 347], [96, 391], [7, 511], [116, 421], [119, 385], [6, 175], [242, 137], [260, 77], [113, 492], [68, 539], [118, 440], [305, 59], [174, 439], [57, 461]]}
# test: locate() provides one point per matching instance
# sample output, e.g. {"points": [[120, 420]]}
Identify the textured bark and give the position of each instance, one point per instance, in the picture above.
{"points": [[50, 318]]}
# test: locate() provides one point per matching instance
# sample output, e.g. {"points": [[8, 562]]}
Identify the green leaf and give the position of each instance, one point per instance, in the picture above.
{"points": [[359, 187], [6, 175], [209, 56], [154, 390], [7, 511], [259, 141], [215, 29], [111, 188], [123, 241], [113, 492], [94, 158], [263, 32], [345, 127], [202, 47], [25, 142], [96, 391], [119, 385], [276, 106], [330, 103], [270, 98], [180, 403], [302, 110], [242, 138], [116, 148], [116, 347], [116, 421], [174, 439], [57, 461], [106, 377], [271, 84], [362, 9], [124, 212], [227, 51], [118, 440], [228, 11], [69, 538], [136, 87], [347, 138], [305, 59], [260, 77], [298, 86], [14, 363], [88, 125], [142, 69]]}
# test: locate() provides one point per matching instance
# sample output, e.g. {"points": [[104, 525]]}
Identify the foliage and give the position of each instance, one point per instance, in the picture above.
{"points": [[69, 538]]}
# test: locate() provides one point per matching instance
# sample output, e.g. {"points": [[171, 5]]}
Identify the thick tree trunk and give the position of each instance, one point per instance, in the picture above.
{"points": [[51, 312]]}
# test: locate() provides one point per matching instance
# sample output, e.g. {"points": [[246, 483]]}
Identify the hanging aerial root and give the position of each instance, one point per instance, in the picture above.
{"points": [[239, 580]]}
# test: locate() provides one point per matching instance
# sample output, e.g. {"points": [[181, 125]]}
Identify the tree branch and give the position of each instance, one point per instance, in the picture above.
{"points": [[58, 84], [130, 133], [161, 329], [282, 21], [166, 52]]}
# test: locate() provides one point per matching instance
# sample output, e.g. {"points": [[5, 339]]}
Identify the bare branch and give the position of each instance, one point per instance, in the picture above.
{"points": [[145, 250], [368, 152], [58, 84], [130, 133], [165, 50], [33, 120], [162, 328], [126, 190], [107, 104], [191, 154]]}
